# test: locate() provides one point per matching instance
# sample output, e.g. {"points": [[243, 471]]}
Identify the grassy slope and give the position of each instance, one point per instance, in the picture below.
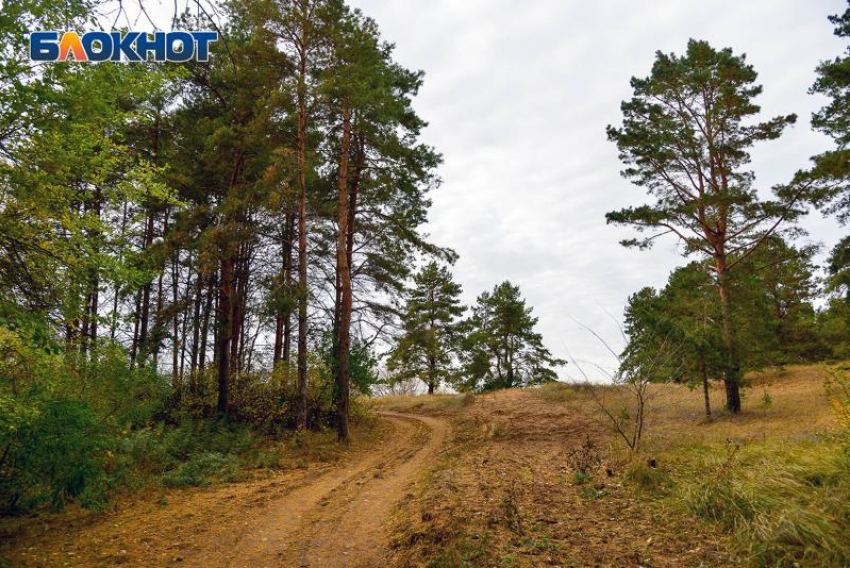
{"points": [[505, 495]]}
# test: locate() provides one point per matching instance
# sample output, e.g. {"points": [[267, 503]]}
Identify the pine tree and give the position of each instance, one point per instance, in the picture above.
{"points": [[673, 331], [428, 347], [501, 348], [685, 137], [831, 171]]}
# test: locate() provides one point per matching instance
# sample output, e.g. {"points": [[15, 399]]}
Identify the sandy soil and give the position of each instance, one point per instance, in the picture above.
{"points": [[324, 515], [503, 496]]}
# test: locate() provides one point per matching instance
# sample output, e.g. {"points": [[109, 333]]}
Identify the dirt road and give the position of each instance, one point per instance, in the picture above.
{"points": [[331, 516]]}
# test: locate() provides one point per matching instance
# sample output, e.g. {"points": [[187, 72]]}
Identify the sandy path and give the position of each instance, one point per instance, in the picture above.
{"points": [[326, 515], [337, 519]]}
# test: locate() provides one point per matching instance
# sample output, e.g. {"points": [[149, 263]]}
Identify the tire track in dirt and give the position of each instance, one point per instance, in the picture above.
{"points": [[337, 519]]}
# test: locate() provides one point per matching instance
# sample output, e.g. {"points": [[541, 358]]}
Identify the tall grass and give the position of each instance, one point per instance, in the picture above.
{"points": [[784, 504], [776, 480]]}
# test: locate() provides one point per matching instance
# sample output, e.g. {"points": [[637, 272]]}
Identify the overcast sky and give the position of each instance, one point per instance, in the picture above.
{"points": [[517, 95]]}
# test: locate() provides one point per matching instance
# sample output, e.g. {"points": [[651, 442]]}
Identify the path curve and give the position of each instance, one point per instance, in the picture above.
{"points": [[326, 515], [336, 519]]}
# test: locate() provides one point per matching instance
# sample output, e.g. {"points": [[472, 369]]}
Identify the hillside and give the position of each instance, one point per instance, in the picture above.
{"points": [[453, 480], [505, 492]]}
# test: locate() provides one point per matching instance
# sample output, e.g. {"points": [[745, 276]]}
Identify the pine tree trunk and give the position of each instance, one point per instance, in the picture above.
{"points": [[196, 320], [277, 354], [732, 371], [149, 231], [134, 348], [226, 301], [146, 293], [352, 199], [224, 333], [705, 392], [239, 298], [205, 325], [160, 298], [113, 328], [344, 272], [302, 227], [282, 317], [175, 325], [287, 278]]}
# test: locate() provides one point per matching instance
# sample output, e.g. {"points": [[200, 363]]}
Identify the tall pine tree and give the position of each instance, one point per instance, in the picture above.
{"points": [[685, 138]]}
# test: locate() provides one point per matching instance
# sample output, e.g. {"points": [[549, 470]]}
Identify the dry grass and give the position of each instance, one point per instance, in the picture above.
{"points": [[799, 409], [775, 477], [505, 493]]}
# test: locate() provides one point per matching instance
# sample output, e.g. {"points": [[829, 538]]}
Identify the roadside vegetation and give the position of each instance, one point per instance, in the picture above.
{"points": [[85, 433]]}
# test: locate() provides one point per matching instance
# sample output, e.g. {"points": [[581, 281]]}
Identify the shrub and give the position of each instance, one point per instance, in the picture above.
{"points": [[53, 446], [57, 455]]}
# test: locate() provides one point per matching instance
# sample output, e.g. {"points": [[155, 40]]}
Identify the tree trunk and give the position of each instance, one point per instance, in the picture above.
{"points": [[352, 199], [278, 341], [302, 228], [149, 231], [146, 294], [134, 348], [224, 333], [175, 324], [281, 330], [196, 320], [238, 307], [287, 278], [732, 371], [226, 300], [113, 328], [205, 324], [344, 272], [158, 323]]}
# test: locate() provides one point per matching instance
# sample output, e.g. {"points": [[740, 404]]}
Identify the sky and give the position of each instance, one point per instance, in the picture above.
{"points": [[518, 93]]}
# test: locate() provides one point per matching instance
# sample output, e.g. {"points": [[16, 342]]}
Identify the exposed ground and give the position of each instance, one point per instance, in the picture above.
{"points": [[321, 515], [453, 481], [504, 496]]}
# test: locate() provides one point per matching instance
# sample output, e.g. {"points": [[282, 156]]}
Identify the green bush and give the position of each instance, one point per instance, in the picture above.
{"points": [[79, 426], [269, 458], [161, 449], [62, 420], [124, 398], [58, 455]]}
